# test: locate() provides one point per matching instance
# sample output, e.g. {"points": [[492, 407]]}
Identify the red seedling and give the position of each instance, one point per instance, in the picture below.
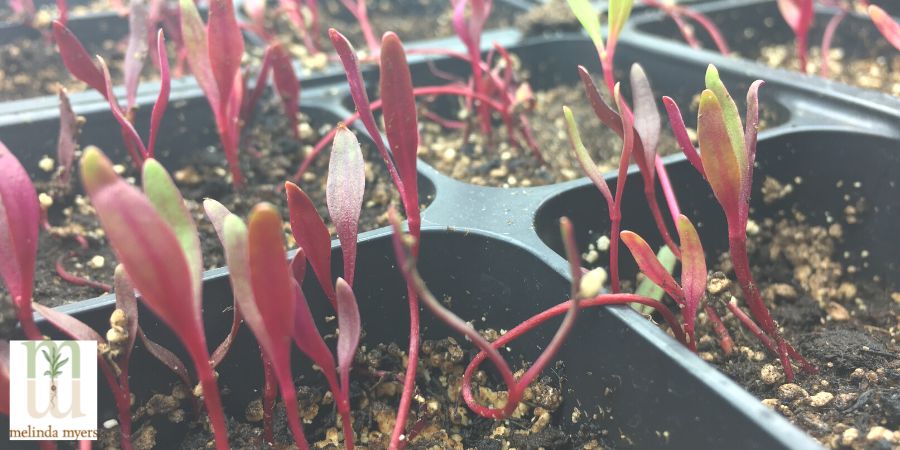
{"points": [[886, 25], [726, 161], [156, 241], [678, 13], [69, 129], [617, 14], [214, 53], [799, 15], [690, 292], [20, 218]]}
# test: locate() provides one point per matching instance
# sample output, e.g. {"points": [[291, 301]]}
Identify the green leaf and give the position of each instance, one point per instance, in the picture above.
{"points": [[47, 373], [584, 158], [163, 194], [616, 16], [47, 356], [731, 117], [62, 363], [589, 18]]}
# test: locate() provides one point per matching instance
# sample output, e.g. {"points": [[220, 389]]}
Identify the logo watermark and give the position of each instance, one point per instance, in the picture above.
{"points": [[53, 390]]}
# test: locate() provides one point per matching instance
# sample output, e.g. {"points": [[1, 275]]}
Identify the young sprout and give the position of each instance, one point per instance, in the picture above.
{"points": [[689, 294], [20, 217], [69, 129], [136, 52], [155, 239], [728, 152], [80, 65], [799, 15], [617, 14], [888, 27], [214, 53], [678, 12]]}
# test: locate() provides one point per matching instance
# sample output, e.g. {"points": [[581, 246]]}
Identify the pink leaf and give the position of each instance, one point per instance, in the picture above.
{"points": [[344, 193], [681, 135], [611, 118], [399, 107], [216, 213], [226, 45], [349, 328], [798, 14], [287, 84], [751, 131], [311, 235], [138, 26], [647, 122], [127, 127], [195, 43], [76, 58], [146, 246], [309, 340], [886, 25], [361, 99], [69, 128], [167, 358], [259, 87], [162, 100], [646, 260], [628, 145], [298, 266], [20, 215], [693, 269]]}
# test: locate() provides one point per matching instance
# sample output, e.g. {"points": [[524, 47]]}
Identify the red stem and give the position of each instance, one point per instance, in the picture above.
{"points": [[725, 340], [211, 396], [122, 397], [827, 37], [270, 390], [536, 320], [616, 219], [409, 380]]}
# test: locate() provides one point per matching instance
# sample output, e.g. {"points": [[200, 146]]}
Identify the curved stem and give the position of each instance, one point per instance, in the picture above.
{"points": [[409, 380], [211, 397]]}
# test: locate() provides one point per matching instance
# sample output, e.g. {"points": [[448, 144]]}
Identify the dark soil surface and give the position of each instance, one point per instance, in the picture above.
{"points": [[439, 414], [384, 15], [279, 154], [495, 162]]}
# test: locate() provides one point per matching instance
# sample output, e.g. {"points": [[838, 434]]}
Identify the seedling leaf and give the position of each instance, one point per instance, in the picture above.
{"points": [[77, 59], [344, 193], [650, 266], [399, 107], [730, 116], [589, 18], [584, 158], [720, 164], [138, 29], [647, 122], [311, 235], [889, 28]]}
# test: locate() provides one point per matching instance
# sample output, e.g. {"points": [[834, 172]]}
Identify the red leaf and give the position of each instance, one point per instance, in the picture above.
{"points": [[647, 122], [195, 47], [127, 127], [646, 260], [162, 100], [693, 267], [606, 114], [272, 281], [138, 28], [259, 87], [681, 135], [146, 246], [719, 161], [628, 145], [886, 25], [298, 266], [287, 84], [311, 235], [751, 131], [77, 59], [361, 99], [226, 45], [798, 14], [167, 358], [349, 328], [399, 107], [344, 193], [69, 128], [309, 341], [20, 215]]}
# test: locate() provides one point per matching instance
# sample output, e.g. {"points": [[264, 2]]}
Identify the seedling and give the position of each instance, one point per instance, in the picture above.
{"points": [[799, 15], [69, 129], [678, 13], [20, 217], [726, 161], [617, 14], [56, 362], [79, 64], [164, 264]]}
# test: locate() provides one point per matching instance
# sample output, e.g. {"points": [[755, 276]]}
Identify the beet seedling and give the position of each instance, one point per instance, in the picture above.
{"points": [[799, 15], [156, 241], [678, 12], [726, 162], [617, 14]]}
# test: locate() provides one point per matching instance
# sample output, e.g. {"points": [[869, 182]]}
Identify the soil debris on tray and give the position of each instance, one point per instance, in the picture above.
{"points": [[439, 419], [497, 163], [270, 155], [844, 323]]}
